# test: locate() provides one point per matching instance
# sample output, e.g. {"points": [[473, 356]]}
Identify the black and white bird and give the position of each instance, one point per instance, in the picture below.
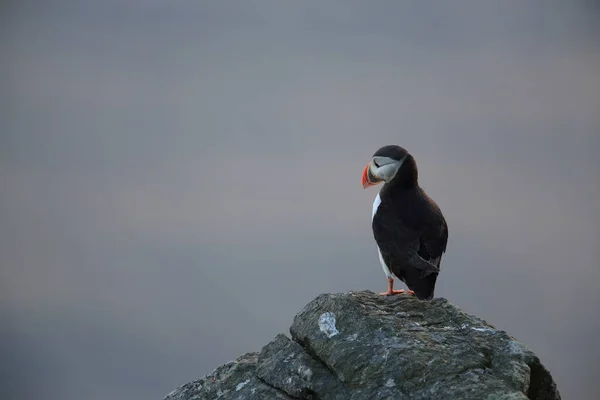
{"points": [[409, 228]]}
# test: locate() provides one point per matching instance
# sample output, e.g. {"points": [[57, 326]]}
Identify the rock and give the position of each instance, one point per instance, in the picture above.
{"points": [[234, 380], [361, 345]]}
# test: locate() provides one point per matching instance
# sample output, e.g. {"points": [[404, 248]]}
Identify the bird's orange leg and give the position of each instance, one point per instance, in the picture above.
{"points": [[391, 291]]}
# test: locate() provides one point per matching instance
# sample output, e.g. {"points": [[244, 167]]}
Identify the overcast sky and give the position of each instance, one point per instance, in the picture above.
{"points": [[179, 178]]}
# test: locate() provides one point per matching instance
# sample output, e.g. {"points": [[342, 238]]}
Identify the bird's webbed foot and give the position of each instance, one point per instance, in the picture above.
{"points": [[391, 291]]}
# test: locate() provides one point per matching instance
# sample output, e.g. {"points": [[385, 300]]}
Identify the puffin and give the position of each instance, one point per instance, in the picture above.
{"points": [[408, 226]]}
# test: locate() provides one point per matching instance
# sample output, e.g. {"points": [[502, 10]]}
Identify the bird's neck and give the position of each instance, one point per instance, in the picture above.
{"points": [[406, 178]]}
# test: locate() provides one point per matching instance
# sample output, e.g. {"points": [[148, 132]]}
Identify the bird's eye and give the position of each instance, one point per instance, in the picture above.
{"points": [[375, 164]]}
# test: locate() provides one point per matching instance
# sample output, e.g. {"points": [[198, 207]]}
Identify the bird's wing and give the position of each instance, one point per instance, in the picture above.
{"points": [[433, 241], [399, 243]]}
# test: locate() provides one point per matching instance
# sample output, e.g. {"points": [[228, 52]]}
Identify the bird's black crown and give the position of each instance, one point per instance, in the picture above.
{"points": [[391, 151]]}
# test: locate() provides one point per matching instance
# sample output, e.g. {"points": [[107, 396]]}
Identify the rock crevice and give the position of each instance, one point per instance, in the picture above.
{"points": [[360, 345]]}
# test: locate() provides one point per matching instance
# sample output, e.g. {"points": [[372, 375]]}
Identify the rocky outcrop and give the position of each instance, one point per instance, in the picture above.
{"points": [[360, 345]]}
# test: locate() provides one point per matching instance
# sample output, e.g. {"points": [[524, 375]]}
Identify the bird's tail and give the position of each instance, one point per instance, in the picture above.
{"points": [[424, 288]]}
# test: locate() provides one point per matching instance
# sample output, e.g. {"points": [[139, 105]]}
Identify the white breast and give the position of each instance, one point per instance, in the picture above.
{"points": [[386, 270], [376, 204]]}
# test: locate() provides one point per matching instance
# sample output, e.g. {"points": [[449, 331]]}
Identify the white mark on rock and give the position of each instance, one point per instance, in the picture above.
{"points": [[288, 380], [482, 329], [385, 356], [327, 324], [352, 338], [478, 329], [253, 390], [241, 385], [515, 348], [305, 372], [390, 383]]}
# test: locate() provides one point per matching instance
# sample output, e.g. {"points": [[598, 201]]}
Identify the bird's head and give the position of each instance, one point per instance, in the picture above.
{"points": [[390, 163]]}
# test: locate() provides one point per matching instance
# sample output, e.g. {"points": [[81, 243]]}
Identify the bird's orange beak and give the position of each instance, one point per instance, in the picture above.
{"points": [[368, 179]]}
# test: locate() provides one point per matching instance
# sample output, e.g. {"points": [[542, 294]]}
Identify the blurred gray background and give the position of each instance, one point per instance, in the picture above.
{"points": [[179, 178]]}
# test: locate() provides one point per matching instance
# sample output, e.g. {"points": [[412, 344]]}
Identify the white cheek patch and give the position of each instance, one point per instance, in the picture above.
{"points": [[387, 172], [388, 167]]}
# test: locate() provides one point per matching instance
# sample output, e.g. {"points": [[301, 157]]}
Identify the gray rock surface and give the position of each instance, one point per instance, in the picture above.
{"points": [[361, 345]]}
